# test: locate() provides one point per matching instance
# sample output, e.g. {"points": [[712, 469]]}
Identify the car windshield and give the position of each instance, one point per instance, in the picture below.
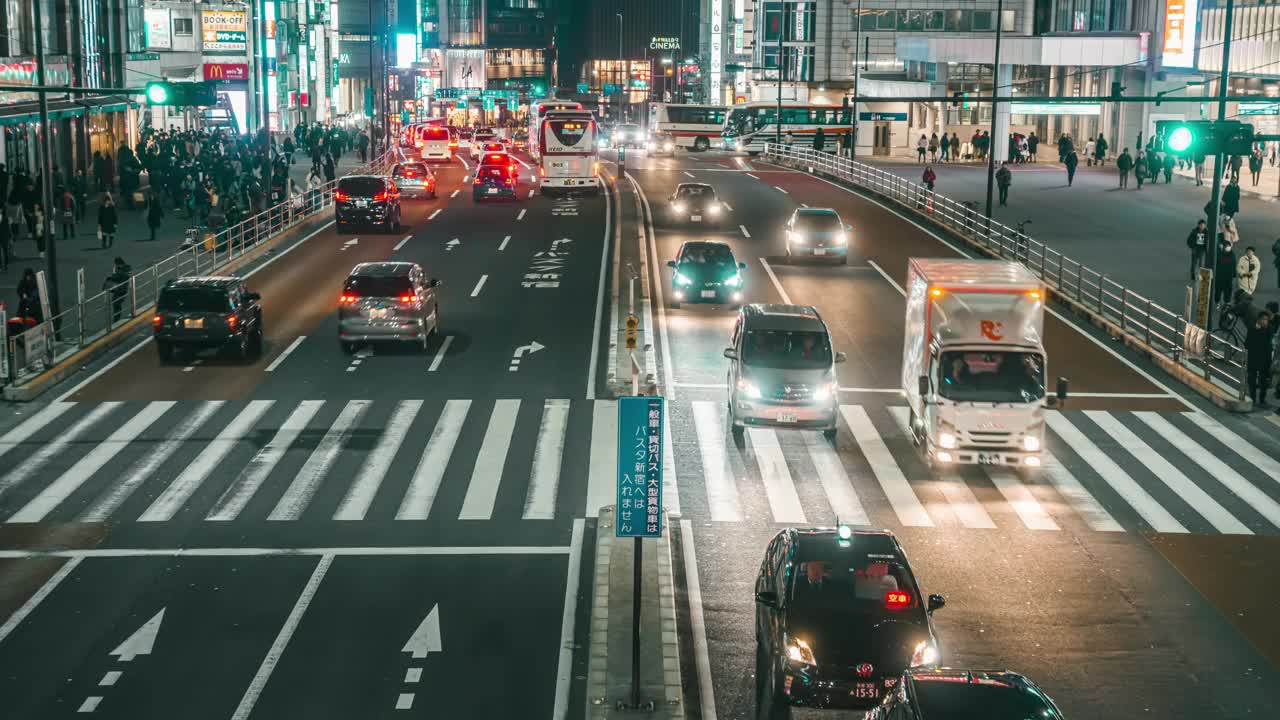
{"points": [[194, 299], [707, 254], [787, 349], [411, 170], [694, 191], [378, 286], [991, 376], [990, 699], [818, 222], [361, 186], [843, 578]]}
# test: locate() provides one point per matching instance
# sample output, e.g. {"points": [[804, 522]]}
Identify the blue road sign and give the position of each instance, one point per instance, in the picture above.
{"points": [[611, 89], [583, 88], [640, 466]]}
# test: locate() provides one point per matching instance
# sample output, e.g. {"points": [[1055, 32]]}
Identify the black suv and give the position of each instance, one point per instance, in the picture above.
{"points": [[948, 693], [367, 200], [196, 313]]}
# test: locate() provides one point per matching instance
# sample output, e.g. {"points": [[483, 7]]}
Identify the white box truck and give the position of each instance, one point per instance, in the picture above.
{"points": [[973, 362]]}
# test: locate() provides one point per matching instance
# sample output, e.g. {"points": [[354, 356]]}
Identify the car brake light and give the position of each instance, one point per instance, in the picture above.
{"points": [[477, 178], [410, 173], [408, 299], [897, 600], [346, 299], [509, 181], [231, 322], [380, 197], [341, 196], [157, 320]]}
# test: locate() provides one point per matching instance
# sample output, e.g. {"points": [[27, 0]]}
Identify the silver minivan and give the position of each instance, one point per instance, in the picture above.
{"points": [[782, 369], [387, 301]]}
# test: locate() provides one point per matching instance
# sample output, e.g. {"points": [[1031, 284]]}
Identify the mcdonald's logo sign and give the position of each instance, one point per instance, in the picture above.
{"points": [[226, 71]]}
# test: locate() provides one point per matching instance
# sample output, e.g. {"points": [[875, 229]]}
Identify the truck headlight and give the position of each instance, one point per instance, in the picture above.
{"points": [[681, 279], [925, 654], [799, 651], [1031, 443], [947, 440], [713, 209], [678, 208], [748, 388]]}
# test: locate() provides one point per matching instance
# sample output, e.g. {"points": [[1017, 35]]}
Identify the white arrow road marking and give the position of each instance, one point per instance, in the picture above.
{"points": [[556, 243], [531, 348], [434, 214], [503, 246], [141, 641], [350, 244], [521, 215], [401, 243], [449, 246], [454, 194], [426, 639], [479, 285]]}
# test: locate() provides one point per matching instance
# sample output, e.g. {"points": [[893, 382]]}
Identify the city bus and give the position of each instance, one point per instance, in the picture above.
{"points": [[568, 157], [538, 110], [747, 127], [693, 127]]}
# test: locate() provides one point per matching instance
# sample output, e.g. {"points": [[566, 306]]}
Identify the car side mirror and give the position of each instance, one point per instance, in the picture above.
{"points": [[841, 357], [671, 263], [936, 602], [768, 598], [731, 353], [924, 385], [742, 266], [433, 283]]}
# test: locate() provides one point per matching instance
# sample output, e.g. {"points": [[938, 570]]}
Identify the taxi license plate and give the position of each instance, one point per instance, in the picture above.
{"points": [[819, 251], [193, 323], [865, 691], [786, 417], [492, 191], [708, 293], [362, 203], [988, 459], [377, 313], [695, 218]]}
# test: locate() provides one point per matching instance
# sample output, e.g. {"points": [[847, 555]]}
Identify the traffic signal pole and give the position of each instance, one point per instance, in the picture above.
{"points": [[46, 168], [995, 105], [1215, 197]]}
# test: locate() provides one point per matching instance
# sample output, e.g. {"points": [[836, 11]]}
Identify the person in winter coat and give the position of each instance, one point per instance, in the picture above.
{"points": [[1089, 149], [1071, 161], [108, 220], [929, 177], [1033, 146], [1100, 150], [922, 146], [1257, 345], [1231, 198], [945, 145], [1248, 269], [1140, 168], [155, 214], [820, 141], [28, 285], [1255, 165], [1275, 259], [1227, 232], [1168, 168], [1004, 178], [330, 172], [933, 147], [5, 244], [1198, 244], [1124, 164], [67, 214], [288, 150], [118, 283], [1224, 275]]}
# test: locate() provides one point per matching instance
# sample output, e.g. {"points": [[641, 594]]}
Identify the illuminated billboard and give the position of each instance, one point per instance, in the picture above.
{"points": [[1180, 22], [224, 30]]}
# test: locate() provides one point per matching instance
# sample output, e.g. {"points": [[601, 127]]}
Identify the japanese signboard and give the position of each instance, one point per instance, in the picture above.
{"points": [[158, 31], [640, 466], [664, 43], [1180, 21], [223, 30], [226, 71]]}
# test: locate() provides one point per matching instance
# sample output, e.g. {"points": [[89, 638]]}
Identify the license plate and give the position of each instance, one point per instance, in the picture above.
{"points": [[557, 164], [708, 293], [362, 203], [819, 251], [377, 313], [865, 691], [492, 191], [786, 417], [988, 459], [696, 218], [193, 323]]}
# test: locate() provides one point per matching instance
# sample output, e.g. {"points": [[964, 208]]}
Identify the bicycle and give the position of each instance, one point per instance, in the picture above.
{"points": [[1022, 240], [1230, 335]]}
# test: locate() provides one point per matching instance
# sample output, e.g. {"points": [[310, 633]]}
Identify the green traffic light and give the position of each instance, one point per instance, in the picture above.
{"points": [[158, 93], [1180, 139]]}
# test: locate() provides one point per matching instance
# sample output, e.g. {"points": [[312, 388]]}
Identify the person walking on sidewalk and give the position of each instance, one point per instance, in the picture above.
{"points": [[4, 241], [1140, 168], [1235, 164], [1255, 165], [1100, 150], [1071, 161], [80, 186], [1275, 259], [330, 172], [922, 146], [1124, 164], [362, 145], [67, 209], [1248, 269], [1089, 148], [1231, 198], [1199, 163], [1168, 168], [929, 177], [820, 141], [1033, 145], [945, 145], [288, 150], [1257, 344], [1004, 178], [1228, 233], [1198, 244], [107, 221], [933, 147], [1224, 276], [155, 214], [118, 283]]}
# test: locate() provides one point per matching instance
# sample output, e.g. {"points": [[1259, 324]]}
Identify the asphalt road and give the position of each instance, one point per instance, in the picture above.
{"points": [[1064, 577]]}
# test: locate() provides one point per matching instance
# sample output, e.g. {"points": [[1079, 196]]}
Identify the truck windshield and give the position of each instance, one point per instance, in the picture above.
{"points": [[787, 350], [967, 376]]}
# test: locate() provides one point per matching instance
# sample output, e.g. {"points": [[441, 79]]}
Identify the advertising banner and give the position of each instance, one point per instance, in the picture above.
{"points": [[159, 33], [226, 71], [1180, 21], [224, 30]]}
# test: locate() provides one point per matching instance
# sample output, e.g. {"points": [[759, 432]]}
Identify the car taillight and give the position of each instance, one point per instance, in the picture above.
{"points": [[477, 178], [542, 172], [340, 196], [408, 299], [157, 320], [346, 299], [509, 181], [231, 322], [595, 168], [410, 173], [380, 197]]}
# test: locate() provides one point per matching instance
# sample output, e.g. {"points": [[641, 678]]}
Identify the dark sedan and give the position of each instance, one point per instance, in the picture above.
{"points": [[706, 272], [951, 694], [695, 203], [367, 200]]}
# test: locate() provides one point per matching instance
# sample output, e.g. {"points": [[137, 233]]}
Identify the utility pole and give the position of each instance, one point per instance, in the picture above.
{"points": [[853, 111], [621, 75], [1215, 197], [995, 105], [46, 167]]}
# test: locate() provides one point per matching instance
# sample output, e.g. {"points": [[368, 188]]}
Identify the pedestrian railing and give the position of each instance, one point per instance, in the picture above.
{"points": [[1134, 316], [38, 348]]}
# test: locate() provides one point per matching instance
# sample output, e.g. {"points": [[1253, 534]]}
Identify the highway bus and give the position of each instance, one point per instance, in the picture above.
{"points": [[538, 110], [747, 127], [693, 127], [567, 154]]}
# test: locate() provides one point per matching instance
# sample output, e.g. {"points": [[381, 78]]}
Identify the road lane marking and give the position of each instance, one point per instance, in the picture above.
{"points": [[869, 390], [779, 488], [603, 470], [1020, 499], [727, 206], [530, 192], [717, 476], [743, 228], [521, 215], [596, 332], [564, 666], [90, 704], [479, 285], [376, 464], [697, 624], [348, 551], [1146, 506], [33, 464], [1237, 444], [961, 500], [37, 597], [32, 425], [421, 494], [703, 386], [110, 678], [439, 356], [454, 194], [835, 481], [784, 192], [251, 478], [401, 243], [462, 160], [1125, 396], [280, 358], [544, 481], [404, 701], [804, 205], [482, 493], [260, 678], [505, 240], [88, 464], [305, 484], [782, 292], [686, 172], [434, 214], [1085, 505], [413, 675], [886, 277], [896, 488], [649, 237], [750, 175]]}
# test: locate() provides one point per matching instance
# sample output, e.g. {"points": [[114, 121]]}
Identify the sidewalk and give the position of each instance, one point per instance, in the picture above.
{"points": [[1268, 187], [132, 243]]}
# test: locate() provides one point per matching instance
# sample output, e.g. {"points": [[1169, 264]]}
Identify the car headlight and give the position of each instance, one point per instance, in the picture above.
{"points": [[823, 392], [798, 238], [602, 143], [667, 146], [678, 208], [681, 279], [799, 651], [1031, 443], [947, 440], [713, 209], [749, 388], [925, 654], [841, 238], [734, 280]]}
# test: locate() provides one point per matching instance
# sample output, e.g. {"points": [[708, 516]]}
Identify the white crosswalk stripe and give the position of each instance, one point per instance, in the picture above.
{"points": [[722, 492], [1237, 444], [835, 481], [603, 471], [435, 458], [779, 488], [255, 473], [361, 493], [1085, 505], [540, 504], [32, 466], [482, 492], [1019, 497], [298, 495]]}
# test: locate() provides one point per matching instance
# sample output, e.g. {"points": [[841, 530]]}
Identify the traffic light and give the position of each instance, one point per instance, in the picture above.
{"points": [[180, 94], [1229, 137]]}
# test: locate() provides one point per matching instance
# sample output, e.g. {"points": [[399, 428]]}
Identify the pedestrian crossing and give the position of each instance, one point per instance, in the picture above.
{"points": [[520, 460]]}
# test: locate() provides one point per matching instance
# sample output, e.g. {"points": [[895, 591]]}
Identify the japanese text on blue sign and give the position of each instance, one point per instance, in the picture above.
{"points": [[640, 467]]}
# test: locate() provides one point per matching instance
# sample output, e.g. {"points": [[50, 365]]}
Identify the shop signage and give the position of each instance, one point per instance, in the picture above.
{"points": [[664, 43], [159, 34], [1055, 109], [226, 71], [223, 30], [1180, 21]]}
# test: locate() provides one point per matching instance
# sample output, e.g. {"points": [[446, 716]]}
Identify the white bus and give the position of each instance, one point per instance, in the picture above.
{"points": [[538, 109], [693, 127], [568, 157], [747, 127]]}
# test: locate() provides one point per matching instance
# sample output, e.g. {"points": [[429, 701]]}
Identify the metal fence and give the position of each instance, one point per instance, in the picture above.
{"points": [[1163, 331], [39, 348]]}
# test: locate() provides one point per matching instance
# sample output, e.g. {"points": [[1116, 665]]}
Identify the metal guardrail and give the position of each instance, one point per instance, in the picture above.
{"points": [[39, 348], [1135, 316]]}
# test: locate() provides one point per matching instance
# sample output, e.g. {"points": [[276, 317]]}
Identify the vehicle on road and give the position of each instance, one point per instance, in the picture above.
{"points": [[492, 146], [568, 158], [366, 200], [387, 302], [705, 271], [782, 369], [538, 110], [818, 233], [695, 203], [974, 362], [198, 313], [435, 144], [952, 694], [839, 617], [748, 126], [627, 136], [692, 127], [479, 139], [414, 179], [496, 177]]}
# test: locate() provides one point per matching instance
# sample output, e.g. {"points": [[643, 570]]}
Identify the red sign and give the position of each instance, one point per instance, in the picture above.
{"points": [[992, 330], [226, 71]]}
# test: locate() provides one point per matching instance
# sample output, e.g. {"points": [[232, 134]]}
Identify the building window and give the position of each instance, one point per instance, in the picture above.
{"points": [[959, 20], [1006, 21], [982, 21], [935, 20], [182, 27], [888, 20]]}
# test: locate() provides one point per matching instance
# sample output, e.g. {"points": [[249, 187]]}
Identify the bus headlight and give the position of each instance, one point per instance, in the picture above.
{"points": [[1031, 443], [947, 440], [668, 146]]}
